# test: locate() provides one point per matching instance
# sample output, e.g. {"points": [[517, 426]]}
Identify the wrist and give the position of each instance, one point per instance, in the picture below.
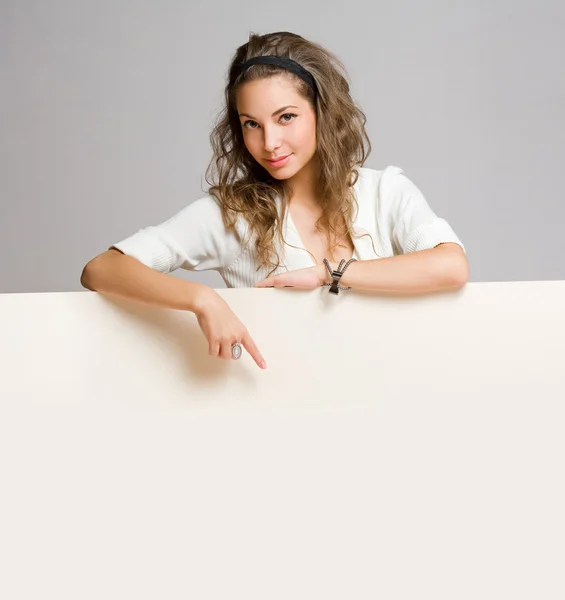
{"points": [[323, 274], [203, 299], [325, 277], [334, 279]]}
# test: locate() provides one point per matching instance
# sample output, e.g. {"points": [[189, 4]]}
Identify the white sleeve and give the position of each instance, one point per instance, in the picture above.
{"points": [[413, 223], [194, 239]]}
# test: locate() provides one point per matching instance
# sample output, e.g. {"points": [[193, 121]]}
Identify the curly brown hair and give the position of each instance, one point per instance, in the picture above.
{"points": [[243, 186]]}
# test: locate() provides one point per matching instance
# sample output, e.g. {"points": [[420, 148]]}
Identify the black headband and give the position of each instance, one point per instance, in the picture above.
{"points": [[280, 61]]}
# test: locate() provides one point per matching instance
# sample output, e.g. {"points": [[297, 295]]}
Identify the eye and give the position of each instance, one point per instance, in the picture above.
{"points": [[248, 124], [288, 115]]}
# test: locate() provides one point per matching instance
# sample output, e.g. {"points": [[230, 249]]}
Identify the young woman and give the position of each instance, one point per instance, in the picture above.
{"points": [[289, 203]]}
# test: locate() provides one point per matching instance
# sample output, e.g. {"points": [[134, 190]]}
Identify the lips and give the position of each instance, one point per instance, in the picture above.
{"points": [[279, 161]]}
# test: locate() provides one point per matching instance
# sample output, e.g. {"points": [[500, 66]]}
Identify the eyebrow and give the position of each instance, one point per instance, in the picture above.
{"points": [[273, 115]]}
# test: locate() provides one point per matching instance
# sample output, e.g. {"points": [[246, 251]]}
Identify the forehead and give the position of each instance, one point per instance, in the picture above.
{"points": [[264, 94]]}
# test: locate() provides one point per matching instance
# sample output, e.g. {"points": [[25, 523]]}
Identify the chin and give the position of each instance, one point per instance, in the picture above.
{"points": [[281, 174]]}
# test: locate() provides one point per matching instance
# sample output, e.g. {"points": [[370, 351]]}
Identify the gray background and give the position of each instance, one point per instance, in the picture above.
{"points": [[106, 108]]}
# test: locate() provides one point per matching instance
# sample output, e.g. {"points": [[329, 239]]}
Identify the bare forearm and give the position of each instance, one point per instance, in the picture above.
{"points": [[439, 268], [120, 275]]}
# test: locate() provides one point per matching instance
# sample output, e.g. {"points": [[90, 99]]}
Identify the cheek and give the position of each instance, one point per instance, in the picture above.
{"points": [[308, 132], [250, 145], [307, 136]]}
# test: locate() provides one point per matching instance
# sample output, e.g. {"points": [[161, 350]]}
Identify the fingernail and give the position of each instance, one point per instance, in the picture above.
{"points": [[263, 365]]}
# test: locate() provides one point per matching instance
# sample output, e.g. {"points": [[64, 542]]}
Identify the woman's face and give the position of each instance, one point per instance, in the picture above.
{"points": [[277, 122]]}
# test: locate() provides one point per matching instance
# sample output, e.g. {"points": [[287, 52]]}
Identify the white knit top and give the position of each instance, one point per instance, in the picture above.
{"points": [[392, 210]]}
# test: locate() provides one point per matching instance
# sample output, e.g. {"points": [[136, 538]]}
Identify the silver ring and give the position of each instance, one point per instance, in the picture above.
{"points": [[236, 351]]}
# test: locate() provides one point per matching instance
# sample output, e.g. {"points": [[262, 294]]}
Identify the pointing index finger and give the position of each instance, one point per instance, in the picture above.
{"points": [[251, 347]]}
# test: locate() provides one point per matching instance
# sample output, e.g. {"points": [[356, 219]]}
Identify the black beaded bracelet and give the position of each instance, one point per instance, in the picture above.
{"points": [[336, 276]]}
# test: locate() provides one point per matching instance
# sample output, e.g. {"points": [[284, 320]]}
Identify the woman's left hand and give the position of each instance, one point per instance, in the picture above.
{"points": [[305, 279]]}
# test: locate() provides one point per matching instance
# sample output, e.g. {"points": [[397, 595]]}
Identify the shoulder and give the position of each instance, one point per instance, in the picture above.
{"points": [[206, 208], [382, 188], [205, 214], [199, 228], [377, 182]]}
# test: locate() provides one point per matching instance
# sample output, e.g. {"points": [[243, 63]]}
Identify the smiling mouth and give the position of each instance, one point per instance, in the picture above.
{"points": [[275, 161]]}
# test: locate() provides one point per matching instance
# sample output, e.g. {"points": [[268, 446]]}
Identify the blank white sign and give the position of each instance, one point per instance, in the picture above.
{"points": [[396, 447]]}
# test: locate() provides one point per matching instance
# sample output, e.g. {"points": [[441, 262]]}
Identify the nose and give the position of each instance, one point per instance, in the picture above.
{"points": [[271, 139]]}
